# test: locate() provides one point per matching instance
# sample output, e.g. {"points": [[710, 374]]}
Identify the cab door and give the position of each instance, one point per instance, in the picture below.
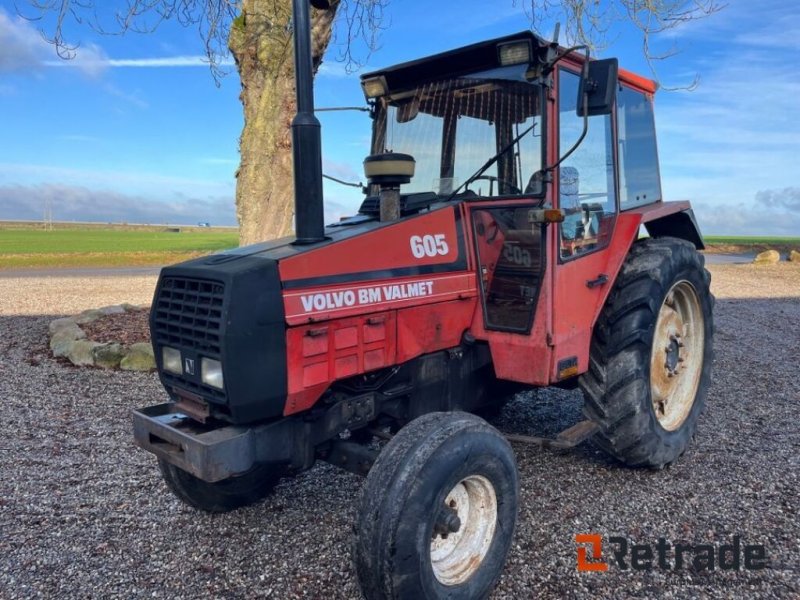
{"points": [[586, 190], [514, 288]]}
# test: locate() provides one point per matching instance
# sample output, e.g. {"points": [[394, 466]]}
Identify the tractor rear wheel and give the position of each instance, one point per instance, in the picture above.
{"points": [[222, 496], [651, 355], [437, 512]]}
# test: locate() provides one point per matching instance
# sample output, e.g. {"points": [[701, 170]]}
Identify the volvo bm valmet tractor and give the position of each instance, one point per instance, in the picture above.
{"points": [[499, 247]]}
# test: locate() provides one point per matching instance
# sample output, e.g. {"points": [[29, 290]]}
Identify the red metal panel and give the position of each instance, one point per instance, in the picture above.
{"points": [[576, 305], [423, 329], [320, 354], [323, 303], [389, 247], [517, 356], [637, 81]]}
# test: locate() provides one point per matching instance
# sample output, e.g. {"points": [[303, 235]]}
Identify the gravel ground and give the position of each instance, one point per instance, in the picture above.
{"points": [[83, 513]]}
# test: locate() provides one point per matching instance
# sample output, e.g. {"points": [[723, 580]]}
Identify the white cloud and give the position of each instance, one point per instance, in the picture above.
{"points": [[733, 143], [22, 48], [786, 198], [78, 203], [134, 182], [741, 218], [99, 63]]}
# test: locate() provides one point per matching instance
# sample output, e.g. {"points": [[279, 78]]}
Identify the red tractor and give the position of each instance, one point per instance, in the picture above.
{"points": [[498, 248]]}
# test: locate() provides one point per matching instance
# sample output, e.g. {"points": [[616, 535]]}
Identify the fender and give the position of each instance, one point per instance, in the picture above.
{"points": [[675, 219]]}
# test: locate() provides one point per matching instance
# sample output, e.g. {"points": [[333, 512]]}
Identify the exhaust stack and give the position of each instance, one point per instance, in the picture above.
{"points": [[306, 139]]}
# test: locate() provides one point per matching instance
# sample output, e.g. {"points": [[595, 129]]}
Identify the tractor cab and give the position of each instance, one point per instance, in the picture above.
{"points": [[501, 126]]}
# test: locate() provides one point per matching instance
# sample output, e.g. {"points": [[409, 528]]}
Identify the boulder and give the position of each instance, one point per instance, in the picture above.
{"points": [[81, 353], [112, 310], [60, 323], [139, 358], [63, 339], [768, 257], [88, 316], [794, 256], [108, 356]]}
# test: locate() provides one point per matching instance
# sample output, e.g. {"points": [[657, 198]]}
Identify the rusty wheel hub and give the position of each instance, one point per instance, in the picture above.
{"points": [[462, 540], [677, 355]]}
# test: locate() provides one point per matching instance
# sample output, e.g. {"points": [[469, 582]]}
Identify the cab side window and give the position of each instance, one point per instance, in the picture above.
{"points": [[586, 178], [639, 180]]}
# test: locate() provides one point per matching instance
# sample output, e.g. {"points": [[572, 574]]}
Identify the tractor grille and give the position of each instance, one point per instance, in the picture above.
{"points": [[188, 315]]}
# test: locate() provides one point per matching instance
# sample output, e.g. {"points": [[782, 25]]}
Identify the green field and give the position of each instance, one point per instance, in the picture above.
{"points": [[752, 240], [30, 246], [751, 244]]}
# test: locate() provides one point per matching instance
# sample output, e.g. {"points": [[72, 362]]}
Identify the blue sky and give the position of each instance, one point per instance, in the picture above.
{"points": [[135, 129]]}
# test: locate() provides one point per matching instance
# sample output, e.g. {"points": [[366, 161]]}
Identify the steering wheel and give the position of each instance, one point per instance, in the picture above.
{"points": [[492, 179]]}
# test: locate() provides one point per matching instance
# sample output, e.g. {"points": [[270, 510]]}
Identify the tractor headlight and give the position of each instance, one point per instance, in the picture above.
{"points": [[374, 87], [171, 359], [514, 53], [211, 372]]}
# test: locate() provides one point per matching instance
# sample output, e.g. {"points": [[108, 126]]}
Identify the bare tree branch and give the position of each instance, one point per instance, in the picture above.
{"points": [[589, 22], [359, 23]]}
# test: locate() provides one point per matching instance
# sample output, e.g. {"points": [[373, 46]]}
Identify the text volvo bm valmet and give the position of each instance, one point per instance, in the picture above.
{"points": [[498, 248]]}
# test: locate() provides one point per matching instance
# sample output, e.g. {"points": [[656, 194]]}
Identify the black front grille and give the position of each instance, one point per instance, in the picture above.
{"points": [[188, 314]]}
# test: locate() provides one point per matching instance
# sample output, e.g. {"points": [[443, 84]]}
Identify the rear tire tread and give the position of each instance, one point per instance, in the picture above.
{"points": [[620, 355]]}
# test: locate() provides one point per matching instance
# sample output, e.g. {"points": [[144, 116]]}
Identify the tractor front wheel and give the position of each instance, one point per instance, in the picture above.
{"points": [[437, 511], [222, 496], [651, 354]]}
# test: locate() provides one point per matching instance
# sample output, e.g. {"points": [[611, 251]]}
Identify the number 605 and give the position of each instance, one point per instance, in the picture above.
{"points": [[429, 245]]}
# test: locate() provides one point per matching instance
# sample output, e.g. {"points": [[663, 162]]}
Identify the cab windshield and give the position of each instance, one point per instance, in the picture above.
{"points": [[453, 127]]}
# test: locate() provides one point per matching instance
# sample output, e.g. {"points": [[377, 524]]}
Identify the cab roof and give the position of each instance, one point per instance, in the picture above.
{"points": [[482, 56]]}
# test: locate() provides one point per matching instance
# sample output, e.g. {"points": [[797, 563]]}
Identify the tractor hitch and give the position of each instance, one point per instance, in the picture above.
{"points": [[569, 438]]}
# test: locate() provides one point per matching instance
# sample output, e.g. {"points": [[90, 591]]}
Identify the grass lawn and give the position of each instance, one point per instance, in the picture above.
{"points": [[106, 246]]}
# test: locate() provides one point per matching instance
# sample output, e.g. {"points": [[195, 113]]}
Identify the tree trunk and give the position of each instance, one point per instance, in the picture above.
{"points": [[261, 42]]}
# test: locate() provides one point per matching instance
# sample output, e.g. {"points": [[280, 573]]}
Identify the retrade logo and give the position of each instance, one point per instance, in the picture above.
{"points": [[595, 543], [664, 555]]}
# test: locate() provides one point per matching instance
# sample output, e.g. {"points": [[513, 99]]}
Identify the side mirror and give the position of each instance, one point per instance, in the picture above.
{"points": [[600, 85]]}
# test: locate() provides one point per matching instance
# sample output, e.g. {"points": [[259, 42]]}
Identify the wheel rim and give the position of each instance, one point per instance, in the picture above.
{"points": [[676, 361], [456, 556]]}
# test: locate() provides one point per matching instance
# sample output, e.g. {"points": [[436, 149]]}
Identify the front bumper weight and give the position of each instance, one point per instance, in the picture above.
{"points": [[210, 453]]}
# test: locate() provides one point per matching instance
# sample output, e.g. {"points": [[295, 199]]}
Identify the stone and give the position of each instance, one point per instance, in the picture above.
{"points": [[108, 356], [768, 257], [60, 323], [139, 358], [131, 307], [794, 256], [88, 316], [112, 310], [62, 340], [61, 347], [81, 353]]}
